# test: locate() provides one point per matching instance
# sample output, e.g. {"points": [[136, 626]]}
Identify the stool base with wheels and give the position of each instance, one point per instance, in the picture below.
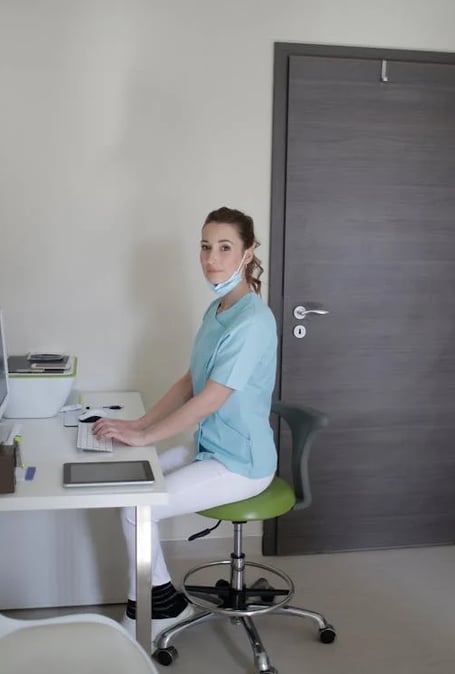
{"points": [[240, 603], [272, 591]]}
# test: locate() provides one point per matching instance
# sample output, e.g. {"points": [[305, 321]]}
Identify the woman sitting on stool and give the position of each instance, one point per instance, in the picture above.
{"points": [[226, 392]]}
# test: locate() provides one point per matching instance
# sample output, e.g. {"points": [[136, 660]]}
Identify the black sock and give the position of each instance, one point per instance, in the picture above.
{"points": [[131, 609], [167, 602]]}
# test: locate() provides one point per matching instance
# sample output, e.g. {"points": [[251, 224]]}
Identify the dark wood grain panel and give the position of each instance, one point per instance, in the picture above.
{"points": [[370, 235], [386, 490]]}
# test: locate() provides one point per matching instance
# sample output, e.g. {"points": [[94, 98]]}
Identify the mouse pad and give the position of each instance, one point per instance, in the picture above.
{"points": [[71, 418]]}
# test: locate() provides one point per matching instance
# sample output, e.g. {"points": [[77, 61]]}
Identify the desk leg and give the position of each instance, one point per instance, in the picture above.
{"points": [[143, 577]]}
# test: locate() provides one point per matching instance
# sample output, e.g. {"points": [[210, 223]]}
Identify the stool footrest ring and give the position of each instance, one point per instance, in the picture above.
{"points": [[240, 596]]}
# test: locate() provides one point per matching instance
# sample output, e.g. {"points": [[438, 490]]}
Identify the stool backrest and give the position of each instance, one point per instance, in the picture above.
{"points": [[304, 423]]}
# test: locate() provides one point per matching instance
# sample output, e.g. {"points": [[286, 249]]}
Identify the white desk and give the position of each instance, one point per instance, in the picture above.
{"points": [[47, 444]]}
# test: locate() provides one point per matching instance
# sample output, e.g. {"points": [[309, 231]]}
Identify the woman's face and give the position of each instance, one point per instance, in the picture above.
{"points": [[221, 251]]}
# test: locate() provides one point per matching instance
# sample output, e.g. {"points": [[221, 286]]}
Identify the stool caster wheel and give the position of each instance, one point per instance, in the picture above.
{"points": [[327, 634], [222, 583], [165, 656]]}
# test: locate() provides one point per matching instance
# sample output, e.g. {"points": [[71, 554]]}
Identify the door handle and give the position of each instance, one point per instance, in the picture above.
{"points": [[301, 312]]}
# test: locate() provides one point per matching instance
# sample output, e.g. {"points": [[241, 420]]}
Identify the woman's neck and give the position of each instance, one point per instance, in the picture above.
{"points": [[231, 298]]}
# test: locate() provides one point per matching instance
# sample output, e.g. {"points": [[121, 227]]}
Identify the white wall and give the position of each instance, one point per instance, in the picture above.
{"points": [[122, 123]]}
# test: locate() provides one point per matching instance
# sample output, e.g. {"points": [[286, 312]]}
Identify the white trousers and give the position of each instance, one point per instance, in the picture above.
{"points": [[192, 486]]}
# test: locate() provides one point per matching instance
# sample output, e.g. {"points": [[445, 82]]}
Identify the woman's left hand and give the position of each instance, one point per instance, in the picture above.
{"points": [[115, 429]]}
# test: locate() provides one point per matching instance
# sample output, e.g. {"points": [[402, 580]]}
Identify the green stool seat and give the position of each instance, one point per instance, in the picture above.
{"points": [[276, 500]]}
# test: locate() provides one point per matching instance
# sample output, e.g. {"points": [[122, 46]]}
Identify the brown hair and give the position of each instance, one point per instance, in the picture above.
{"points": [[245, 227]]}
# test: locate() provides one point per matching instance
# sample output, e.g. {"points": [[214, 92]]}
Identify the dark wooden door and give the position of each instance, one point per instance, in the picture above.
{"points": [[370, 236]]}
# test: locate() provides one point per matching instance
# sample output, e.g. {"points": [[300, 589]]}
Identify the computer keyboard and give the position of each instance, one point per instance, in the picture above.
{"points": [[89, 442]]}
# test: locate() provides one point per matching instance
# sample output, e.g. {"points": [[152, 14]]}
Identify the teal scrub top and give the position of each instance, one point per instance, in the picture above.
{"points": [[237, 348]]}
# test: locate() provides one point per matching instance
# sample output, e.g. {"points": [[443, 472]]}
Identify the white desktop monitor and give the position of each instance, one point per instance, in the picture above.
{"points": [[4, 390]]}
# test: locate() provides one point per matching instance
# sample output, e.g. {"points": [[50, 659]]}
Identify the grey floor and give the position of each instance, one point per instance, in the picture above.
{"points": [[393, 611]]}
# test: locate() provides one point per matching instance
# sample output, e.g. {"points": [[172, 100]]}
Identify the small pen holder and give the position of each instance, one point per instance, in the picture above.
{"points": [[8, 463]]}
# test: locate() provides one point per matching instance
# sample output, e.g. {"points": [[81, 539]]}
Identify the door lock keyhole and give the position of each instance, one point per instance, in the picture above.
{"points": [[299, 331]]}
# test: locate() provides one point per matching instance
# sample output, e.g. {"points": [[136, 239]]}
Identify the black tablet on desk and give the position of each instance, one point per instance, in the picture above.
{"points": [[107, 473]]}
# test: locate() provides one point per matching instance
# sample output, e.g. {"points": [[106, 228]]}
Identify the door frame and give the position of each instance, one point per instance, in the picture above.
{"points": [[282, 53]]}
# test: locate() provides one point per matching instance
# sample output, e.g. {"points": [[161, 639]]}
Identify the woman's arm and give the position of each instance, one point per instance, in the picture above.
{"points": [[209, 400], [175, 397]]}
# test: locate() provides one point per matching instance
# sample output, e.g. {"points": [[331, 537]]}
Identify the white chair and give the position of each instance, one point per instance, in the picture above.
{"points": [[73, 644]]}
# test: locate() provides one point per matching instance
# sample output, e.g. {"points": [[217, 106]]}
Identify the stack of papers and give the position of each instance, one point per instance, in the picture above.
{"points": [[23, 365]]}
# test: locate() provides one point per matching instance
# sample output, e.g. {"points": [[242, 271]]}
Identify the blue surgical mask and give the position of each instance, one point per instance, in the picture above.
{"points": [[225, 287]]}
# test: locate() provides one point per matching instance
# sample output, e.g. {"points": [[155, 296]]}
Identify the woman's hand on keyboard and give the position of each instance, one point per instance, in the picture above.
{"points": [[118, 429]]}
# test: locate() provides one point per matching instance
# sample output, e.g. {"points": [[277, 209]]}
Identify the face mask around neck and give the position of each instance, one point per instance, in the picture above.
{"points": [[225, 287]]}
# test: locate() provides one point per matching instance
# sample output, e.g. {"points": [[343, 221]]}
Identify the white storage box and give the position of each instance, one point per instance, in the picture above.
{"points": [[39, 395]]}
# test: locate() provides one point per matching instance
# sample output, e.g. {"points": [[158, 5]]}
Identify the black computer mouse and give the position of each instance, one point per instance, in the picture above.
{"points": [[92, 415], [90, 420]]}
